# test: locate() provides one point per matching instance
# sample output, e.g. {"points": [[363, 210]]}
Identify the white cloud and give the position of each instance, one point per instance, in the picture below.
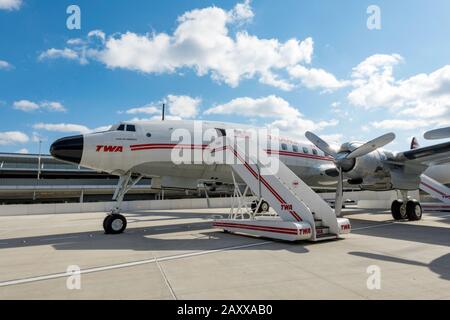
{"points": [[148, 109], [267, 107], [68, 127], [25, 105], [241, 12], [28, 106], [13, 137], [335, 140], [5, 65], [36, 137], [401, 124], [156, 117], [62, 127], [296, 127], [202, 42], [178, 107], [288, 119], [65, 53], [183, 106], [23, 151], [97, 33], [53, 106], [75, 42], [10, 4], [316, 78], [418, 101]]}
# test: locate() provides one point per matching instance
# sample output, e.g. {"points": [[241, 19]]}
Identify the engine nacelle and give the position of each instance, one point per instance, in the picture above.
{"points": [[365, 167]]}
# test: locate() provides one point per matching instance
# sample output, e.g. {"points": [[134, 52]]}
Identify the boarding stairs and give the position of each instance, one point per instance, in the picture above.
{"points": [[438, 191], [302, 214]]}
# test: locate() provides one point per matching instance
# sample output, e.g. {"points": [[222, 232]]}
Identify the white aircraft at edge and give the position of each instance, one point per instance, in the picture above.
{"points": [[133, 150]]}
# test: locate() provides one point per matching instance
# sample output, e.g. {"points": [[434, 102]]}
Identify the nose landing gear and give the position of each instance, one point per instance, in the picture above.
{"points": [[114, 222]]}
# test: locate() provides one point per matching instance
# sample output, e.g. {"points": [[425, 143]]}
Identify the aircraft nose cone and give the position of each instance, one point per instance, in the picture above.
{"points": [[68, 149]]}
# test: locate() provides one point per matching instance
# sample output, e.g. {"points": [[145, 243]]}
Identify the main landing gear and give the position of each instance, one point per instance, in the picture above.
{"points": [[114, 222], [405, 208]]}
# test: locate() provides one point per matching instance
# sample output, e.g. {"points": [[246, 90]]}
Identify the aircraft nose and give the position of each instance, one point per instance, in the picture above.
{"points": [[68, 149]]}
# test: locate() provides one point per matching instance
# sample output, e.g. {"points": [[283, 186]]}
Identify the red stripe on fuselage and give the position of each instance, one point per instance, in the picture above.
{"points": [[139, 147]]}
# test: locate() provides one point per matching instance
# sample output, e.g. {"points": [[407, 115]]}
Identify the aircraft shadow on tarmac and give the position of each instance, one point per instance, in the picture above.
{"points": [[440, 266], [199, 236], [194, 236], [415, 232]]}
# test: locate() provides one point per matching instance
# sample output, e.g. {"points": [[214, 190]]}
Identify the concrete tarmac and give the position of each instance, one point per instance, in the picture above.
{"points": [[175, 254]]}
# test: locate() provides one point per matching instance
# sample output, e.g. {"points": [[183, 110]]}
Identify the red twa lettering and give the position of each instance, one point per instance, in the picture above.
{"points": [[285, 206], [109, 148]]}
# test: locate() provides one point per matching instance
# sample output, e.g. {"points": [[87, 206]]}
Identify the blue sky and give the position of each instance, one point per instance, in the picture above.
{"points": [[295, 65]]}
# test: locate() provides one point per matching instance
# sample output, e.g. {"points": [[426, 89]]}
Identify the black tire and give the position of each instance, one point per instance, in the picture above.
{"points": [[105, 222], [396, 210], [253, 206], [115, 224], [414, 210], [264, 207]]}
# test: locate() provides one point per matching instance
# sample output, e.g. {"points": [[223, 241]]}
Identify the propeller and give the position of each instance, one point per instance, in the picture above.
{"points": [[442, 133], [345, 159]]}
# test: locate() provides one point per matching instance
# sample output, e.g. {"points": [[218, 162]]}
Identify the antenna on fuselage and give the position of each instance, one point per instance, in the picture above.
{"points": [[163, 111]]}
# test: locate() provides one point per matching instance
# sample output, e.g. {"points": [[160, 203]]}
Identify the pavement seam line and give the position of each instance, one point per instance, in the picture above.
{"points": [[127, 264]]}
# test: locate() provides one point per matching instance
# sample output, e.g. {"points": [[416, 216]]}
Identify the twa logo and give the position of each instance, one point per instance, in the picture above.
{"points": [[285, 206], [446, 197], [305, 231], [109, 149]]}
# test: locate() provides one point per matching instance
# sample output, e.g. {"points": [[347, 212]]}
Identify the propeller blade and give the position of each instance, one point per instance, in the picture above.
{"points": [[442, 133], [372, 145], [339, 194], [321, 144]]}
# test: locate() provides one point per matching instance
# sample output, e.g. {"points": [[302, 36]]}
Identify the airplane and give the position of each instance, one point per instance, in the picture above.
{"points": [[136, 149]]}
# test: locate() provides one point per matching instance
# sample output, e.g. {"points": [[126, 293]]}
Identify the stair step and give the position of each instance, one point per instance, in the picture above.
{"points": [[318, 223], [322, 230], [326, 236]]}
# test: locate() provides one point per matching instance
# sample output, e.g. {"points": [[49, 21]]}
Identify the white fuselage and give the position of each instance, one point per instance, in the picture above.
{"points": [[147, 148], [148, 151]]}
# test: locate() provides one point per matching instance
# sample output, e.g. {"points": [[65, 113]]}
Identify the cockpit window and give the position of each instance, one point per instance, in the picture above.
{"points": [[131, 127], [121, 128]]}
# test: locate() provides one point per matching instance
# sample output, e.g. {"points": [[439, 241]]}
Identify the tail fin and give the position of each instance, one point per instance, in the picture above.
{"points": [[414, 143]]}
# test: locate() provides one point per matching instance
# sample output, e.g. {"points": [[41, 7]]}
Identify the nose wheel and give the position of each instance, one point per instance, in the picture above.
{"points": [[114, 224]]}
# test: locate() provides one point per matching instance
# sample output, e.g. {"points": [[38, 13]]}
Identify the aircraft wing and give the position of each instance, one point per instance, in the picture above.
{"points": [[426, 156]]}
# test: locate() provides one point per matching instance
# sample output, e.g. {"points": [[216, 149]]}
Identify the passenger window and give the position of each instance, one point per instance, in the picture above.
{"points": [[295, 148], [314, 152], [131, 127], [284, 146], [305, 150], [121, 128]]}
